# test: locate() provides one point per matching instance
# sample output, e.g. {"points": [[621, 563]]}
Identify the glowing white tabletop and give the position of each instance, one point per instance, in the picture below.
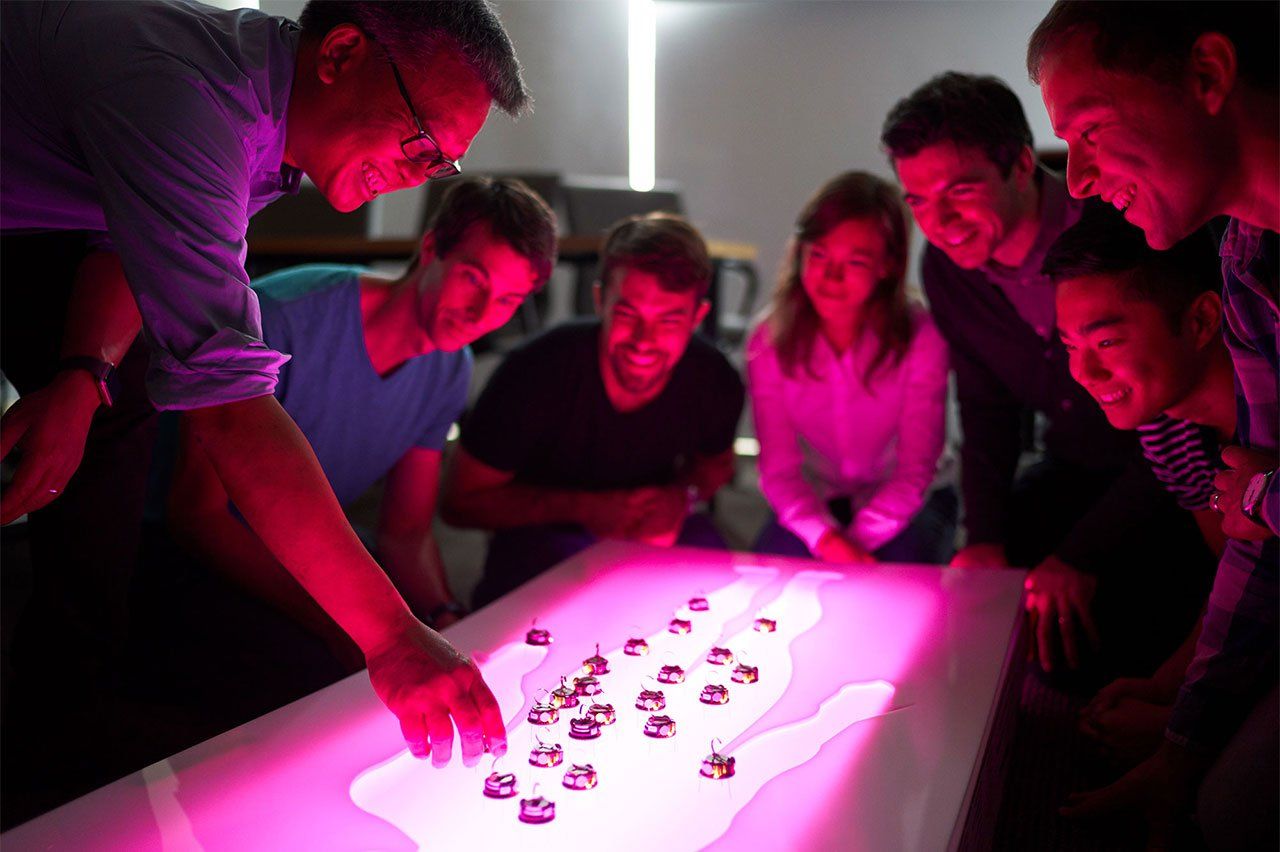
{"points": [[876, 699]]}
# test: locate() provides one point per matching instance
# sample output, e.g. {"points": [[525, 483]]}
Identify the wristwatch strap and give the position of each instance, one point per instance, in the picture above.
{"points": [[448, 606], [103, 373]]}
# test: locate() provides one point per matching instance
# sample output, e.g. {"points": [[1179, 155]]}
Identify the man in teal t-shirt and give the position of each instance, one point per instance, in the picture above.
{"points": [[378, 373]]}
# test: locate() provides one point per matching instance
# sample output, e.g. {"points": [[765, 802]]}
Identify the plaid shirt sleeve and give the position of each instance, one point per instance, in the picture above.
{"points": [[1235, 659]]}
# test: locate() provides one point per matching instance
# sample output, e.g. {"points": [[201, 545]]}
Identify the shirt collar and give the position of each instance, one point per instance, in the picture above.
{"points": [[1058, 211], [1240, 245]]}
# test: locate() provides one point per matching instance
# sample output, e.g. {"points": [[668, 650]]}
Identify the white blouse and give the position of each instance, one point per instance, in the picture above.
{"points": [[833, 437]]}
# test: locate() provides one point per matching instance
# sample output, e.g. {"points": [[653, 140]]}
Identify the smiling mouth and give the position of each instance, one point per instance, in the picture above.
{"points": [[1113, 397], [957, 242], [373, 180], [1122, 199], [641, 362]]}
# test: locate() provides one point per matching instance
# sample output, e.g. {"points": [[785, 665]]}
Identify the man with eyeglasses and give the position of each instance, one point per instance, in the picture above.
{"points": [[139, 139]]}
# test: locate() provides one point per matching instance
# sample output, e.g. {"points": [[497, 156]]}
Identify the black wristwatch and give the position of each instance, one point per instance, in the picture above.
{"points": [[103, 373], [448, 606]]}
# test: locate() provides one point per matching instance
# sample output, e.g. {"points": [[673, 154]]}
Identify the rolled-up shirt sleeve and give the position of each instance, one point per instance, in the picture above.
{"points": [[175, 182], [921, 432], [782, 479]]}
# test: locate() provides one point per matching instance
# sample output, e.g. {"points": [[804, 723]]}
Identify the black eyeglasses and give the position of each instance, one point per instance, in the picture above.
{"points": [[420, 147]]}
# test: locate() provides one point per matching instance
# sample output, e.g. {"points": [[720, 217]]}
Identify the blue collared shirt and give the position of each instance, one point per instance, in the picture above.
{"points": [[1235, 659], [162, 126]]}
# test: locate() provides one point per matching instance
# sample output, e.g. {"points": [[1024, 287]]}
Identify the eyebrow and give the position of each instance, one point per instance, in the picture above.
{"points": [[1100, 323], [960, 181], [1079, 106]]}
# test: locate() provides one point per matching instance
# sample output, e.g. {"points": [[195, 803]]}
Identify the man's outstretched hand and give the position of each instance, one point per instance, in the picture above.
{"points": [[49, 427], [425, 681]]}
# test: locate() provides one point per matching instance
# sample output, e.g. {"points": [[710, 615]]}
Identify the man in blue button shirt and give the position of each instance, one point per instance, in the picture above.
{"points": [[159, 129]]}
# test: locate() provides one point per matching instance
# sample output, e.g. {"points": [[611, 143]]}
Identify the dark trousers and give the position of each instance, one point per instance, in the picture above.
{"points": [[83, 546], [928, 539], [1151, 586], [519, 554]]}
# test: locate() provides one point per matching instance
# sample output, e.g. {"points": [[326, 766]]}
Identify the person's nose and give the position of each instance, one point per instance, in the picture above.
{"points": [[1082, 172], [1089, 369]]}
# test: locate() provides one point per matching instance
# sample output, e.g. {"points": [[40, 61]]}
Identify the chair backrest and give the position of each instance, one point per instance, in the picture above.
{"points": [[307, 214], [596, 203]]}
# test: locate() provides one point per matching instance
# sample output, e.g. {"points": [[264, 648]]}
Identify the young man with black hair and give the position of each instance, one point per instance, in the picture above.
{"points": [[1143, 330], [1088, 518], [611, 428], [379, 371], [146, 136], [1170, 113]]}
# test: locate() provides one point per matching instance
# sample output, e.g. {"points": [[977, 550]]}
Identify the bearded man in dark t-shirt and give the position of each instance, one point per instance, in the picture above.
{"points": [[610, 428]]}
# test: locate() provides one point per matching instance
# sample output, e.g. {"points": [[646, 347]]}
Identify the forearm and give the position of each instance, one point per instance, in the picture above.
{"points": [[227, 546], [1174, 669], [515, 505], [1235, 652], [102, 318], [271, 474]]}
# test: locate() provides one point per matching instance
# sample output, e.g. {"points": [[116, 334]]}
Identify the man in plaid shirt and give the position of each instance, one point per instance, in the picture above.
{"points": [[1169, 114]]}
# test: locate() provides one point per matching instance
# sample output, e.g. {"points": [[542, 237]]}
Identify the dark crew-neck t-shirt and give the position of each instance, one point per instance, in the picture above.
{"points": [[546, 417]]}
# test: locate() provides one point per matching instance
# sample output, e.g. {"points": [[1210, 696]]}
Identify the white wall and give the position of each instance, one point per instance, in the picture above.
{"points": [[758, 102]]}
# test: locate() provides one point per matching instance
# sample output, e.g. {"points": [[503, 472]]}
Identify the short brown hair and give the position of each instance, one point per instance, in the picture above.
{"points": [[967, 110], [513, 212], [1154, 39], [664, 245]]}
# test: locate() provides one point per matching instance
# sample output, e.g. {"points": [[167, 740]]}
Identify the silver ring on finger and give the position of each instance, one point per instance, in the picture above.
{"points": [[1215, 502]]}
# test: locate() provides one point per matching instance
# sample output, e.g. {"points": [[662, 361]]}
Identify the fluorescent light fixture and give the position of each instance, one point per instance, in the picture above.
{"points": [[642, 40]]}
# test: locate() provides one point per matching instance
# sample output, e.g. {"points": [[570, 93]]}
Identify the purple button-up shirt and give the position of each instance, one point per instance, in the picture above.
{"points": [[1235, 660], [161, 125]]}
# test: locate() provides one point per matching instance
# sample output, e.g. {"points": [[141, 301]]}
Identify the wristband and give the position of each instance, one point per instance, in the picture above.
{"points": [[102, 372], [448, 606]]}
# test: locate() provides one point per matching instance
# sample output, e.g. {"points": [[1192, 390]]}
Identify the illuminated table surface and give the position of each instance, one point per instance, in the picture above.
{"points": [[876, 699]]}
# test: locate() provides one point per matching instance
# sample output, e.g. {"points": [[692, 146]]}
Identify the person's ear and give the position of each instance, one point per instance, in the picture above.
{"points": [[342, 50], [1203, 320], [1213, 70], [700, 312], [1024, 168]]}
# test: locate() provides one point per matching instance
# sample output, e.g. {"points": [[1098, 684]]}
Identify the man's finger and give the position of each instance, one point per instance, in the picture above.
{"points": [[414, 731], [1067, 630], [1223, 480], [491, 725], [1091, 804], [467, 718], [1044, 636], [1235, 456], [1085, 617], [440, 729]]}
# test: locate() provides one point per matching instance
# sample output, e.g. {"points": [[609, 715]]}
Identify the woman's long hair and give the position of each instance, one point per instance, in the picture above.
{"points": [[791, 320]]}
